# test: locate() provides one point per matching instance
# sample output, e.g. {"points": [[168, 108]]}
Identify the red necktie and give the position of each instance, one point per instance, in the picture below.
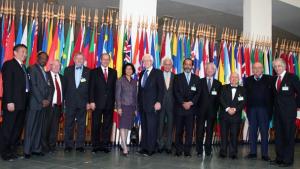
{"points": [[278, 83], [105, 74], [58, 92]]}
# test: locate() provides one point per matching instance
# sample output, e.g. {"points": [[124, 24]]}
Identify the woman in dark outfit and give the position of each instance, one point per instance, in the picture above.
{"points": [[126, 103]]}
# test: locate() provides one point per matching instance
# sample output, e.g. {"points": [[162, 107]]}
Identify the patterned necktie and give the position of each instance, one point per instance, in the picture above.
{"points": [[58, 92], [278, 83], [105, 74], [145, 77], [209, 84]]}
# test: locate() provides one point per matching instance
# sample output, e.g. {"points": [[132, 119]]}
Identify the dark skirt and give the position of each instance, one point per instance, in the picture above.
{"points": [[126, 119]]}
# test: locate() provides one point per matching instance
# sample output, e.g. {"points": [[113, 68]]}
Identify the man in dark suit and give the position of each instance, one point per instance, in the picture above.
{"points": [[259, 109], [208, 107], [286, 89], [75, 87], [51, 119], [150, 97], [102, 99], [187, 92], [39, 105], [14, 103], [166, 114], [232, 101]]}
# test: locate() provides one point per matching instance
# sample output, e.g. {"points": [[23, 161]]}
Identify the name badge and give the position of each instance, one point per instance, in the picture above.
{"points": [[214, 93], [285, 88], [83, 80], [240, 98], [193, 88]]}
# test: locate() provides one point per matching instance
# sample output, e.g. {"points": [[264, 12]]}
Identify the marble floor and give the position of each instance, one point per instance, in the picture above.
{"points": [[113, 160]]}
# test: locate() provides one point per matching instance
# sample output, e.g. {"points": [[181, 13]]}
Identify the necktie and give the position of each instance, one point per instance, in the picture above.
{"points": [[58, 92], [26, 78], [167, 81], [188, 78], [209, 84], [145, 78], [278, 83], [105, 74]]}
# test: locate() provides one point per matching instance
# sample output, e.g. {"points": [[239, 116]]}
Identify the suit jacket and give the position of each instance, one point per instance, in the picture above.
{"points": [[52, 83], [285, 100], [251, 91], [14, 85], [168, 100], [40, 86], [238, 102], [152, 92], [100, 91], [186, 92], [76, 97], [209, 101]]}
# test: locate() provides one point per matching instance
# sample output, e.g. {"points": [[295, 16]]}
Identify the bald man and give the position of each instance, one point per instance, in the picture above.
{"points": [[51, 120], [259, 109], [232, 101]]}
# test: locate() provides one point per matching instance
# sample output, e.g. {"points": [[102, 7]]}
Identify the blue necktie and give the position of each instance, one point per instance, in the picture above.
{"points": [[145, 78]]}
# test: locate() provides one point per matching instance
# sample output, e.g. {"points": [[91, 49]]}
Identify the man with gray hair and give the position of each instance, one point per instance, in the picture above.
{"points": [[286, 88], [166, 114], [51, 119], [150, 97], [208, 107]]}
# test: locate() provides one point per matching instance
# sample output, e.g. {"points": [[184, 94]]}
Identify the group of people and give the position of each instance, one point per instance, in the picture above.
{"points": [[35, 100]]}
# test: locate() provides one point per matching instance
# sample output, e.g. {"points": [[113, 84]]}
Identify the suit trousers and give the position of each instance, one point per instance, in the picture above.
{"points": [[80, 115]]}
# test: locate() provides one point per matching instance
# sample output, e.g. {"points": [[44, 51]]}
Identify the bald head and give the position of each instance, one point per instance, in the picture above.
{"points": [[55, 66], [257, 69], [234, 79]]}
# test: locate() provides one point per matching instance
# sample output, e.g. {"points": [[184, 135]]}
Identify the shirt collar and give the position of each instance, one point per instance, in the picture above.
{"points": [[104, 67], [149, 69], [282, 74], [19, 61], [258, 77], [53, 74]]}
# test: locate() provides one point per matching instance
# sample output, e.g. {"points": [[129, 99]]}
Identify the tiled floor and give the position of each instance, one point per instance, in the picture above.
{"points": [[113, 160]]}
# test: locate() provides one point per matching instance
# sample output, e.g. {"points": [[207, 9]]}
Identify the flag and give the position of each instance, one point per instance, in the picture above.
{"points": [[54, 46], [136, 61], [45, 36], [20, 31], [226, 64], [50, 36], [78, 44], [91, 61], [100, 45], [174, 53], [195, 55], [4, 37], [34, 35], [86, 44], [119, 63], [202, 58], [156, 46], [10, 42], [221, 64], [110, 45], [68, 48]]}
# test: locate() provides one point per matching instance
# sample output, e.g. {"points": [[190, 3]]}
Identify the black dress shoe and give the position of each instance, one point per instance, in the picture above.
{"points": [[276, 162], [187, 154], [233, 157], [106, 150], [7, 157], [168, 151], [160, 150], [222, 155], [285, 165], [265, 158], [251, 156], [142, 152], [80, 149], [178, 154], [27, 156], [38, 153], [68, 149]]}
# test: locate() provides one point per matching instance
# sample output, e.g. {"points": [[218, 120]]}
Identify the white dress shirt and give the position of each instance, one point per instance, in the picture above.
{"points": [[54, 100]]}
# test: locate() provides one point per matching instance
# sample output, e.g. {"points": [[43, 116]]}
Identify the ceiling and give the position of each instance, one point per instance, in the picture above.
{"points": [[222, 13]]}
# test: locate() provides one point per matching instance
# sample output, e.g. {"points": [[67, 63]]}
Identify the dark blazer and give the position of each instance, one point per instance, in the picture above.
{"points": [[209, 101], [100, 91], [14, 85], [152, 92], [168, 100], [76, 97], [183, 92], [52, 83], [266, 82], [41, 88], [286, 100], [226, 101]]}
